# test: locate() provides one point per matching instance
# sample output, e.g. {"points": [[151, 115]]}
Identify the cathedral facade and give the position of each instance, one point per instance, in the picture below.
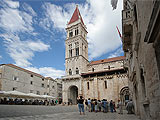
{"points": [[102, 79]]}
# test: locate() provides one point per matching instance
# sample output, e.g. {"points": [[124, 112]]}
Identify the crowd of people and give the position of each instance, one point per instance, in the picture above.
{"points": [[19, 101], [94, 105]]}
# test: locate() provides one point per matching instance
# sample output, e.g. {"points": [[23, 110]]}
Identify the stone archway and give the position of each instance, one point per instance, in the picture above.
{"points": [[73, 94], [124, 94]]}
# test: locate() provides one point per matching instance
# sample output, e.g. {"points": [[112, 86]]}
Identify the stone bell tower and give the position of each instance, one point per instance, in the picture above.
{"points": [[76, 54], [76, 58]]}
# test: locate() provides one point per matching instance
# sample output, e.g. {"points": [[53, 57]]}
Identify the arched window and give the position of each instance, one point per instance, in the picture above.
{"points": [[70, 72], [105, 84], [77, 71], [70, 50], [76, 31], [88, 85], [77, 48]]}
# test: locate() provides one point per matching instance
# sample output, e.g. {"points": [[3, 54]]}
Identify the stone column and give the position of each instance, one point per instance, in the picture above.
{"points": [[80, 87]]}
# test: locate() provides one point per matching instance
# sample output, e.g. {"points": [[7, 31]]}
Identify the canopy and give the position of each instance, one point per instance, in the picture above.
{"points": [[24, 95]]}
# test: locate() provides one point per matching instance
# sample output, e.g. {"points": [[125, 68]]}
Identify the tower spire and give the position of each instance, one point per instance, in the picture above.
{"points": [[76, 16]]}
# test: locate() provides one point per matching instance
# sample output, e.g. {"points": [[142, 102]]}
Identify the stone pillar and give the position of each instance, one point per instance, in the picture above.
{"points": [[96, 87], [64, 93]]}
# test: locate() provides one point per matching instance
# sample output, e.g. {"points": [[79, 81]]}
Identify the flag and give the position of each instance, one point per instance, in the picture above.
{"points": [[119, 32]]}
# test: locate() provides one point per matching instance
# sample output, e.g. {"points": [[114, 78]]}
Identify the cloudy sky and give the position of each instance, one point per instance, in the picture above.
{"points": [[32, 32]]}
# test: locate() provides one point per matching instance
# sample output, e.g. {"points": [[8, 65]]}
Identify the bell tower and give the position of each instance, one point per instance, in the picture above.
{"points": [[76, 52]]}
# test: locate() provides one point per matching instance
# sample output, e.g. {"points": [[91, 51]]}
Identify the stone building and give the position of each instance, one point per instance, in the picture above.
{"points": [[141, 43], [102, 79], [16, 78]]}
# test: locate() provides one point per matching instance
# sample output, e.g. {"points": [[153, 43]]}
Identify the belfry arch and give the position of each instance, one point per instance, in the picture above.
{"points": [[73, 94]]}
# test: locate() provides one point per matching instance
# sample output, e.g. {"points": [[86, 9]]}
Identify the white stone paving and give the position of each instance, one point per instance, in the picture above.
{"points": [[76, 116]]}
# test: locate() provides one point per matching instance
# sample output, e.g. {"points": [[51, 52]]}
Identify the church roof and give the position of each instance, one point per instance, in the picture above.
{"points": [[76, 16], [107, 60], [108, 72]]}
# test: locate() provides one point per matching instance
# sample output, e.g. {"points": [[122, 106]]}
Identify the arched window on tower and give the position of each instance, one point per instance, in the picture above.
{"points": [[70, 33], [77, 71], [70, 72], [77, 48], [70, 50], [76, 31]]}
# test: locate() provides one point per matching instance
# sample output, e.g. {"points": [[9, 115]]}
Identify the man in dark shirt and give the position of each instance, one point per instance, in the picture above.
{"points": [[80, 101]]}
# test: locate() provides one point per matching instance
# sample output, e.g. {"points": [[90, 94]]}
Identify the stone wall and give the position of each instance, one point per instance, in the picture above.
{"points": [[143, 62]]}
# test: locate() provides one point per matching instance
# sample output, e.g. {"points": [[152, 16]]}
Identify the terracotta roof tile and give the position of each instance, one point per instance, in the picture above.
{"points": [[76, 15], [104, 71], [106, 60]]}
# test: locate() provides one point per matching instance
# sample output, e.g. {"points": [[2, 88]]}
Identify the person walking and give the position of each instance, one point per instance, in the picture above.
{"points": [[89, 105], [86, 104], [130, 107], [96, 106], [120, 107], [99, 105], [80, 101], [111, 106]]}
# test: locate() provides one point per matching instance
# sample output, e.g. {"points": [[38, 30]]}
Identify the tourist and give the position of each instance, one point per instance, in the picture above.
{"points": [[86, 104], [114, 106], [92, 105], [96, 106], [89, 105], [130, 107], [111, 106], [80, 101], [99, 105], [120, 107]]}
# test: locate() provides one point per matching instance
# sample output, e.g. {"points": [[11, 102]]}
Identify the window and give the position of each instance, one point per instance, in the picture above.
{"points": [[31, 82], [70, 72], [47, 86], [70, 50], [0, 75], [77, 71], [14, 88], [38, 93], [15, 78], [93, 69], [105, 84], [31, 75], [143, 82], [76, 31], [77, 51], [77, 48], [109, 67], [70, 34], [42, 79], [53, 86], [88, 85], [31, 91], [42, 85]]}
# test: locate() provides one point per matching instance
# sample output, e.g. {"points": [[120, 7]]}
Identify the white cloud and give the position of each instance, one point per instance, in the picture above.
{"points": [[100, 19], [117, 53], [57, 15], [0, 57], [12, 4], [29, 9], [22, 51], [16, 22], [13, 20], [48, 71]]}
